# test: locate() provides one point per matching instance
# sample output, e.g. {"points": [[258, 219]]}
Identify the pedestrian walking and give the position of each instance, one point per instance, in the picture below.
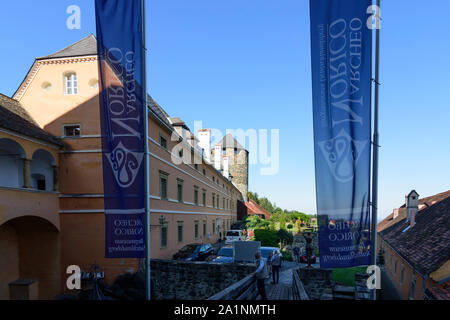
{"points": [[297, 254], [276, 265], [261, 275], [269, 265]]}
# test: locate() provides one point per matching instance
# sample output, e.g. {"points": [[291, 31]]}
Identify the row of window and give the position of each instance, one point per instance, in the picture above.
{"points": [[70, 84], [215, 229], [215, 198], [393, 262], [163, 142]]}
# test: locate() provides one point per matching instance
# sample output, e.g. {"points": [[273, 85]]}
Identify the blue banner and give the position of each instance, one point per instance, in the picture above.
{"points": [[341, 46], [122, 111]]}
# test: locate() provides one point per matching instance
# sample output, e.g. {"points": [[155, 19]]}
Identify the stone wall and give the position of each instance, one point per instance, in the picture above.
{"points": [[318, 283], [193, 280]]}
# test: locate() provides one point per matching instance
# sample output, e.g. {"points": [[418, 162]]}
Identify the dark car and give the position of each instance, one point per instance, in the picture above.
{"points": [[194, 252]]}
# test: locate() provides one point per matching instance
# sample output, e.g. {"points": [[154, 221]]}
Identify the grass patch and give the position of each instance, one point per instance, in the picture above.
{"points": [[346, 277]]}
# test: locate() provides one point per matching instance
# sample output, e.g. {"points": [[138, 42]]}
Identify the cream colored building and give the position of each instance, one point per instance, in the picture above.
{"points": [[195, 200]]}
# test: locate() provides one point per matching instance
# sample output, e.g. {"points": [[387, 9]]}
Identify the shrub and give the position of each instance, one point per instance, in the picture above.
{"points": [[285, 236], [268, 238]]}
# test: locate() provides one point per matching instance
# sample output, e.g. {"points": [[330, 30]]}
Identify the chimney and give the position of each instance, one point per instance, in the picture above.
{"points": [[180, 127], [226, 167], [412, 219], [204, 142], [412, 206], [395, 214], [218, 157]]}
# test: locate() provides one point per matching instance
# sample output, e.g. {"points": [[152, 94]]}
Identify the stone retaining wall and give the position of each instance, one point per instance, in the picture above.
{"points": [[193, 280]]}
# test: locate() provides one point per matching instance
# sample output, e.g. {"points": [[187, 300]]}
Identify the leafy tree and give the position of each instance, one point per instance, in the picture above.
{"points": [[285, 236], [283, 221]]}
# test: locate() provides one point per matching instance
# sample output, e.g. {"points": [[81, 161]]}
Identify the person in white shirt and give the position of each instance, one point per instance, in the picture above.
{"points": [[276, 265], [261, 275]]}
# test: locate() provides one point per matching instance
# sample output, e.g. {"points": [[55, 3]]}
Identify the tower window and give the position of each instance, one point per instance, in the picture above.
{"points": [[71, 84]]}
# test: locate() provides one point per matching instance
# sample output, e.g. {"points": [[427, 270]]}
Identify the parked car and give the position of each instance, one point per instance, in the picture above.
{"points": [[194, 252], [265, 251], [225, 255], [234, 235]]}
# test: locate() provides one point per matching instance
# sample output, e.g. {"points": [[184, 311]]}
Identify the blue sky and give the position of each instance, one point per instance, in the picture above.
{"points": [[246, 64]]}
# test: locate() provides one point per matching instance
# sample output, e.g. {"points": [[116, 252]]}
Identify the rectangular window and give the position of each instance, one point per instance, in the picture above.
{"points": [[164, 236], [217, 201], [163, 142], [204, 172], [180, 190], [163, 178], [196, 230], [72, 130], [214, 227], [196, 166], [71, 84], [213, 200], [204, 197], [395, 267], [196, 195], [204, 228], [223, 203], [180, 231]]}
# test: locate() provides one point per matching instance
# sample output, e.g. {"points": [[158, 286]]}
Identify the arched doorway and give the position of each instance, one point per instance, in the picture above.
{"points": [[12, 156], [30, 249], [42, 170]]}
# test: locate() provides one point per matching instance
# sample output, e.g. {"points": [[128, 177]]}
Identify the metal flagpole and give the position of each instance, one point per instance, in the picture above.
{"points": [[376, 147], [147, 164]]}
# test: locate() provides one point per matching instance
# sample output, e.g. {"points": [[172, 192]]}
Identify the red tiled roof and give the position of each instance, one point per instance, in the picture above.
{"points": [[426, 246], [427, 202], [255, 209], [440, 291]]}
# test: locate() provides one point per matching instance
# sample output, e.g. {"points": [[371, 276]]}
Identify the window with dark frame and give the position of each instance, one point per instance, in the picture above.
{"points": [[196, 196], [180, 190], [163, 142], [180, 231], [163, 178], [196, 230], [164, 236], [73, 130]]}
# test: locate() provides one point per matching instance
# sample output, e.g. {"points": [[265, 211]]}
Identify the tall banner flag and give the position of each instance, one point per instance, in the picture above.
{"points": [[122, 111], [341, 46]]}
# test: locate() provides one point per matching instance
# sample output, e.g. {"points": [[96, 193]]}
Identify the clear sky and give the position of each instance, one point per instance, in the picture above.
{"points": [[246, 64]]}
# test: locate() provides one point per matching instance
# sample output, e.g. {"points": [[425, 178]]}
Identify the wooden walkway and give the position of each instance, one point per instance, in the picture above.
{"points": [[282, 290]]}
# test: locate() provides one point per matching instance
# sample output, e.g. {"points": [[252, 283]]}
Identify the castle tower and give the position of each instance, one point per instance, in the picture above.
{"points": [[238, 163]]}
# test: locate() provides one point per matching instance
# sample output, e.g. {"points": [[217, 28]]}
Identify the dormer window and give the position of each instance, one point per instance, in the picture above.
{"points": [[70, 82]]}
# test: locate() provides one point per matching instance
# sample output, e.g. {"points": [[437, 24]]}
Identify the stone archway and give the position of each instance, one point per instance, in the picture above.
{"points": [[30, 247]]}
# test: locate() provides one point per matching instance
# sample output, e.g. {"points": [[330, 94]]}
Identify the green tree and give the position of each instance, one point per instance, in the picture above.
{"points": [[268, 238], [285, 236]]}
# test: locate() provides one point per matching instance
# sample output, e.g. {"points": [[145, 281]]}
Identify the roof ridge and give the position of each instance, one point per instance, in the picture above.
{"points": [[50, 56]]}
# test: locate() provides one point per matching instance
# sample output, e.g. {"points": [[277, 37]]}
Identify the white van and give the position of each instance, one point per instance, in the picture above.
{"points": [[234, 235]]}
